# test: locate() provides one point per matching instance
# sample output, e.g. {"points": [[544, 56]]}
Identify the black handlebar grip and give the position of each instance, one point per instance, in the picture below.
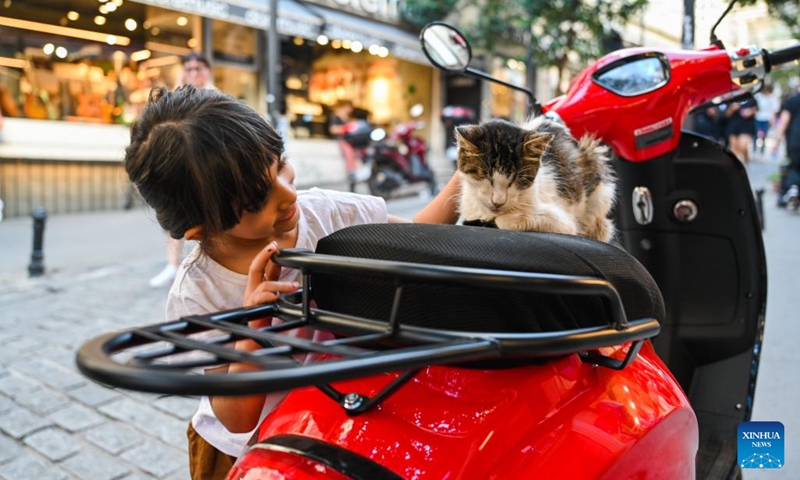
{"points": [[784, 55]]}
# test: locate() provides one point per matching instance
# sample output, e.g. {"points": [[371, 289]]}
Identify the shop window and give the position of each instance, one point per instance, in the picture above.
{"points": [[234, 59]]}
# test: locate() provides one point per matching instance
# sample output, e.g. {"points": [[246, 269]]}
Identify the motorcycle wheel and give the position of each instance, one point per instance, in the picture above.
{"points": [[432, 185], [381, 182]]}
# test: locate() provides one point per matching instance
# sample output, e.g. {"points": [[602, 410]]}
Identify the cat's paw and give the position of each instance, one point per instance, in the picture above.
{"points": [[512, 222], [542, 222]]}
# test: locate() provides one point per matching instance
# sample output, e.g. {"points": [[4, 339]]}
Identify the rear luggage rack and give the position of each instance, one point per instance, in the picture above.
{"points": [[168, 357]]}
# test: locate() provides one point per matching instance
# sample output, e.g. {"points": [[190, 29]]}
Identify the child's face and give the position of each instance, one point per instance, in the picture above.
{"points": [[281, 213]]}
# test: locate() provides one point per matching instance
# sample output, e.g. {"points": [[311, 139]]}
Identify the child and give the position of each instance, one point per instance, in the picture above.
{"points": [[212, 169]]}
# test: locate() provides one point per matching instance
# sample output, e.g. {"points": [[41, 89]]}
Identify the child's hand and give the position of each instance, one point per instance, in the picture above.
{"points": [[262, 284]]}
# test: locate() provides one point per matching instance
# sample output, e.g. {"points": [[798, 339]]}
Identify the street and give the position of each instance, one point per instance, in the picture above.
{"points": [[56, 424]]}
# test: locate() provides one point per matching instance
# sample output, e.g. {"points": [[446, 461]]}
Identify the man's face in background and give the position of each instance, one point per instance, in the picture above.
{"points": [[196, 73]]}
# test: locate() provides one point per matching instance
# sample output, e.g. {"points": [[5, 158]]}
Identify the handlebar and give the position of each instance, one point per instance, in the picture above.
{"points": [[784, 55]]}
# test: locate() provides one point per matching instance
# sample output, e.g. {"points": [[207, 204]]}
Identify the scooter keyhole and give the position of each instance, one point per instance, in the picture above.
{"points": [[685, 211]]}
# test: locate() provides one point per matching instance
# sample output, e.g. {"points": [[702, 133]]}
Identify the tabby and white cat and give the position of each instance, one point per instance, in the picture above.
{"points": [[535, 178]]}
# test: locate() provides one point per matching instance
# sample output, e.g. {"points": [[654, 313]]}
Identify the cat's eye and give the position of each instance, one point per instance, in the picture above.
{"points": [[635, 75]]}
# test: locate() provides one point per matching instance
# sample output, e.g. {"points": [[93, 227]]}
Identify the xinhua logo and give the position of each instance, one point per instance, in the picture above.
{"points": [[761, 445]]}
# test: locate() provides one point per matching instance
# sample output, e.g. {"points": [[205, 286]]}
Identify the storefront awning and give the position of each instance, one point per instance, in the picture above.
{"points": [[307, 21]]}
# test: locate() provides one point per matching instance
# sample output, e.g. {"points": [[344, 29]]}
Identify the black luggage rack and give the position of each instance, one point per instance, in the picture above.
{"points": [[158, 358]]}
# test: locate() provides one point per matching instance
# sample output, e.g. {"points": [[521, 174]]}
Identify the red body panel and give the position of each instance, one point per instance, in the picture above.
{"points": [[588, 108], [563, 419]]}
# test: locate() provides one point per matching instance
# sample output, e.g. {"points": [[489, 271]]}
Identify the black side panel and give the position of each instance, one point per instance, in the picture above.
{"points": [[712, 274]]}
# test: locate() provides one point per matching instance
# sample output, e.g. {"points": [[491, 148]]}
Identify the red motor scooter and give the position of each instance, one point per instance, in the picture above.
{"points": [[473, 353], [401, 159], [361, 138]]}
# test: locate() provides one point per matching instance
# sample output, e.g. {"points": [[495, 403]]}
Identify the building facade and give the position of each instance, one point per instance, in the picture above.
{"points": [[74, 74]]}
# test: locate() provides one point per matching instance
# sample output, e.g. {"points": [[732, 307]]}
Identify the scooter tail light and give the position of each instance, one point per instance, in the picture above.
{"points": [[268, 464]]}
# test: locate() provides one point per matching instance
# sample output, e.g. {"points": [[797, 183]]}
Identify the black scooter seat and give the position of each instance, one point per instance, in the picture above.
{"points": [[472, 309]]}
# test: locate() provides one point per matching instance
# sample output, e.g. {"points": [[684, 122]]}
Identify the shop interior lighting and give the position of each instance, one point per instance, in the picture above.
{"points": [[61, 52], [336, 43], [322, 40], [163, 61], [182, 21], [111, 40], [155, 31], [140, 55], [48, 48], [356, 46], [346, 44], [100, 20], [118, 3], [146, 25], [58, 30], [193, 43], [165, 48], [298, 41], [73, 15], [130, 24], [13, 62]]}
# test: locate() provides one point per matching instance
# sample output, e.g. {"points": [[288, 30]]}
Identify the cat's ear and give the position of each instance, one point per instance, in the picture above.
{"points": [[535, 144], [468, 136]]}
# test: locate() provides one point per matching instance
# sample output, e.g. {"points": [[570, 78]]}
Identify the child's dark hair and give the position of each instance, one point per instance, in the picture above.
{"points": [[200, 157]]}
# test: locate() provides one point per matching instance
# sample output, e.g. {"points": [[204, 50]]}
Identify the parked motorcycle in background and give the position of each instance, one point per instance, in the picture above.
{"points": [[361, 136], [453, 116], [402, 159]]}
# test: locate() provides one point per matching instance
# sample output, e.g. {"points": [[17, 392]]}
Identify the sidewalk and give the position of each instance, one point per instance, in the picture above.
{"points": [[55, 423]]}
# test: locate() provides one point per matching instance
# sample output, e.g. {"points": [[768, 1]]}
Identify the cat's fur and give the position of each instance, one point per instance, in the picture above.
{"points": [[535, 178]]}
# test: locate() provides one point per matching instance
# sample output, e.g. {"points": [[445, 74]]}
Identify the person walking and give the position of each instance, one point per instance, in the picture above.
{"points": [[768, 107], [789, 129], [740, 128], [339, 118], [196, 72]]}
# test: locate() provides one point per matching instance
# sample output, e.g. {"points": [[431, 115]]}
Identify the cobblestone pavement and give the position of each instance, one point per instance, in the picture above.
{"points": [[55, 423]]}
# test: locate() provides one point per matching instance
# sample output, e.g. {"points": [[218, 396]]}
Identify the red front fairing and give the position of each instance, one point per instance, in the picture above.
{"points": [[695, 78], [564, 419]]}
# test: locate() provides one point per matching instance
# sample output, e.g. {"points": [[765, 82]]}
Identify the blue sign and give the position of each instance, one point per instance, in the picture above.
{"points": [[760, 445]]}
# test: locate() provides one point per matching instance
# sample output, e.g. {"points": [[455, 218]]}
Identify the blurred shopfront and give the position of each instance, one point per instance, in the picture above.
{"points": [[86, 67]]}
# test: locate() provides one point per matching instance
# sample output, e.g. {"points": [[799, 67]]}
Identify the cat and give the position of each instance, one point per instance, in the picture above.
{"points": [[535, 178]]}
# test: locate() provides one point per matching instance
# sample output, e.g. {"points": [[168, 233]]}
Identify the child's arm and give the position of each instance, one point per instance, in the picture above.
{"points": [[444, 207], [240, 414]]}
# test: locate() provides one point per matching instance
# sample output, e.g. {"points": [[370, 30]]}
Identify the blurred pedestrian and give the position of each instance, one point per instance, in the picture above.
{"points": [[741, 128], [768, 106], [341, 115], [196, 72], [788, 128], [707, 123]]}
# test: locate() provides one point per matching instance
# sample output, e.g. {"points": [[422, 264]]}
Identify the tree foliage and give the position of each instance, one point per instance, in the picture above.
{"points": [[420, 12], [788, 11], [558, 31]]}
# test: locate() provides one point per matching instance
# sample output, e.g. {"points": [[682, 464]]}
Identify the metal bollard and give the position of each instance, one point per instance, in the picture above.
{"points": [[760, 206], [36, 267]]}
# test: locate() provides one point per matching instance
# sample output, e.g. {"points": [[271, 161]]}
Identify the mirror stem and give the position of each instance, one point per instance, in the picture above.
{"points": [[533, 106]]}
